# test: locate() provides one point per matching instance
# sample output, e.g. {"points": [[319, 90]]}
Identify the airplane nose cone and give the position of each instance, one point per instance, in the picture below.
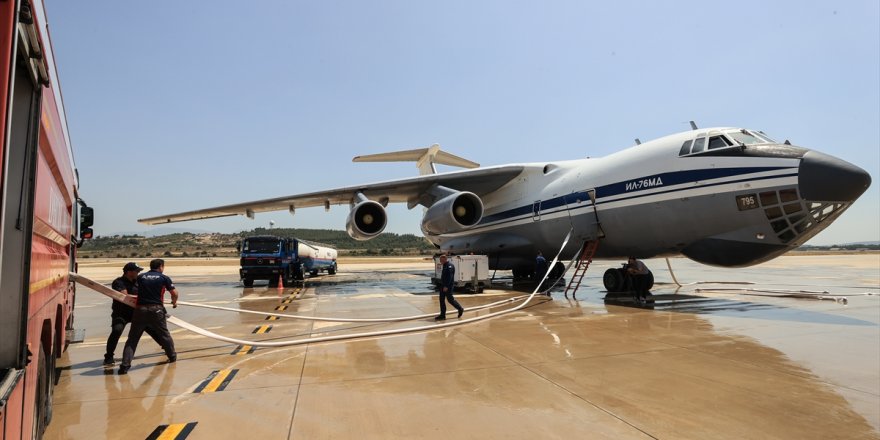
{"points": [[824, 178]]}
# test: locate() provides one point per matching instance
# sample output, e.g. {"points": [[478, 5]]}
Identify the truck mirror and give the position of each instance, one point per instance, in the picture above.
{"points": [[86, 217], [84, 234]]}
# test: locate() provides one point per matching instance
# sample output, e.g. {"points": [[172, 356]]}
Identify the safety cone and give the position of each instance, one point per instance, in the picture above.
{"points": [[280, 282]]}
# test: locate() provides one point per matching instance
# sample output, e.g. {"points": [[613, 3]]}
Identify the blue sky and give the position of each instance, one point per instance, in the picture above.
{"points": [[186, 105]]}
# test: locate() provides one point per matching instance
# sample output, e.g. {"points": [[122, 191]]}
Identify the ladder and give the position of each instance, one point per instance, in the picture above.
{"points": [[583, 262]]}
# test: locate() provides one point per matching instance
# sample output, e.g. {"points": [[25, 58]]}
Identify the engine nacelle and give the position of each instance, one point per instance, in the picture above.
{"points": [[366, 220], [453, 213]]}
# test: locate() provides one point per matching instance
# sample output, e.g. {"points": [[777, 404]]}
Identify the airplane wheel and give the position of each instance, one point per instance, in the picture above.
{"points": [[650, 282], [248, 282], [613, 280]]}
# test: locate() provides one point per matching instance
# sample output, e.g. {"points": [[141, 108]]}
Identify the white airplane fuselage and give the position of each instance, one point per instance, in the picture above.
{"points": [[732, 206]]}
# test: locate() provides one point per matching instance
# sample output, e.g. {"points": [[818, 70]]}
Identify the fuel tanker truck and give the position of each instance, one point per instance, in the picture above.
{"points": [[267, 257]]}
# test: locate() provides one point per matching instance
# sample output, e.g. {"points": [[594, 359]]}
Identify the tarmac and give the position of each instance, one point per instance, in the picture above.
{"points": [[712, 360]]}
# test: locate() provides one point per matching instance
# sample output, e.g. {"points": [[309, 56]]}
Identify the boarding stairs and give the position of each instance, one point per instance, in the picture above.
{"points": [[583, 263]]}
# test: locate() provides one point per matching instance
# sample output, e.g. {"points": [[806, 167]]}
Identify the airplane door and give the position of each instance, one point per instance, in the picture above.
{"points": [[536, 210], [583, 216]]}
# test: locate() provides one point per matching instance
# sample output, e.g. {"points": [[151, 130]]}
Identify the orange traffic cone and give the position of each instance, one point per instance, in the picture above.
{"points": [[280, 282]]}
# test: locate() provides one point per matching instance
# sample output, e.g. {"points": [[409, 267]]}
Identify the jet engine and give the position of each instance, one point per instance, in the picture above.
{"points": [[366, 220], [453, 213]]}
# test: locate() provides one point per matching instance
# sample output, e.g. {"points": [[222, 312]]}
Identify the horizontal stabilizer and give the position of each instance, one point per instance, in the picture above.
{"points": [[425, 158]]}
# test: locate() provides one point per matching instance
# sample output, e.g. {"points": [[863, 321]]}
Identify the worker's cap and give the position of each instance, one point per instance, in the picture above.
{"points": [[131, 266]]}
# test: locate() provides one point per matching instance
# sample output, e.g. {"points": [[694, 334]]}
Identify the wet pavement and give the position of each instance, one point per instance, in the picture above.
{"points": [[698, 361]]}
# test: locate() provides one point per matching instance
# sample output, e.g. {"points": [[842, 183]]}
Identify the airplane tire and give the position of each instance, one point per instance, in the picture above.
{"points": [[613, 280], [248, 282], [650, 283]]}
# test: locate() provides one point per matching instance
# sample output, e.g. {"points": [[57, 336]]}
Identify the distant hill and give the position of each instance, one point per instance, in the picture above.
{"points": [[188, 244]]}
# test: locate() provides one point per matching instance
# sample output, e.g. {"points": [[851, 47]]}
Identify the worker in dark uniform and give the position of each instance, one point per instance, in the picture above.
{"points": [[540, 268], [638, 273], [121, 312], [150, 313], [447, 283]]}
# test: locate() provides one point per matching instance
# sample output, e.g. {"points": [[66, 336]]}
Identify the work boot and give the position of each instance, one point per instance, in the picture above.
{"points": [[460, 312], [172, 359], [108, 359], [439, 318], [123, 370]]}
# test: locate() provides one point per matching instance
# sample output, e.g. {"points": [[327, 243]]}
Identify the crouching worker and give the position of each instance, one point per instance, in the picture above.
{"points": [[150, 313], [638, 274]]}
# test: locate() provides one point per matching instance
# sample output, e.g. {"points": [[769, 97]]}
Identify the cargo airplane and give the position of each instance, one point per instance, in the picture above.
{"points": [[728, 197]]}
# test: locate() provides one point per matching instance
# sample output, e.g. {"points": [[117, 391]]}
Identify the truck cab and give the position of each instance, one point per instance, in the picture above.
{"points": [[268, 257]]}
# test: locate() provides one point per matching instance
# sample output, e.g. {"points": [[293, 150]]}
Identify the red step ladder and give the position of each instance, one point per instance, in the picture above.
{"points": [[583, 262]]}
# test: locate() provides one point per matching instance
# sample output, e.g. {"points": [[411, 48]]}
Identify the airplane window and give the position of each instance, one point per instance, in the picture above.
{"points": [[792, 208], [718, 142], [698, 145], [685, 148], [764, 136], [788, 195], [773, 212], [779, 225], [769, 198], [745, 137]]}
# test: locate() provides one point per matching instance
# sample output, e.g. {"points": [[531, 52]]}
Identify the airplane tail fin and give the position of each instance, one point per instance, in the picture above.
{"points": [[425, 158]]}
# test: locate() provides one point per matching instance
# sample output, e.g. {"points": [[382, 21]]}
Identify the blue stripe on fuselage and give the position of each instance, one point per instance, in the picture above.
{"points": [[617, 188]]}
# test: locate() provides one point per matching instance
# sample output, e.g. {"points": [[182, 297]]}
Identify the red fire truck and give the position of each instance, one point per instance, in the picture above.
{"points": [[42, 220]]}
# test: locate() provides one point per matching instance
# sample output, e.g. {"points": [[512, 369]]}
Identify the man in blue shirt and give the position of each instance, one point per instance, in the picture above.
{"points": [[447, 283], [121, 313], [150, 313]]}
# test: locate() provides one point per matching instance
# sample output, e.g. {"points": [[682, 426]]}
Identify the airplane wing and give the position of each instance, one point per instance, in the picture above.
{"points": [[480, 181]]}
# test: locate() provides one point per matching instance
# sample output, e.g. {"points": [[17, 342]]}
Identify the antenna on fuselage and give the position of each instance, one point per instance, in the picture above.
{"points": [[693, 125]]}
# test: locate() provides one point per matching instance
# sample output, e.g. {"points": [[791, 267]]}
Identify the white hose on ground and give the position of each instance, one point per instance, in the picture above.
{"points": [[198, 330]]}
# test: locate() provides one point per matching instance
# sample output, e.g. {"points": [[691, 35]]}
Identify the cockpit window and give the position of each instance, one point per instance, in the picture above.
{"points": [[718, 142], [747, 137], [685, 148], [698, 145]]}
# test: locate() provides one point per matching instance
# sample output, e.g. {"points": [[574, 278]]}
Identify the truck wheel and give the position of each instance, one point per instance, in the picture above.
{"points": [[40, 400], [286, 279], [313, 273], [331, 270], [248, 282], [613, 280]]}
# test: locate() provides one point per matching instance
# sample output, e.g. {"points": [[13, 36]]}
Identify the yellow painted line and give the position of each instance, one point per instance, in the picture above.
{"points": [[218, 382], [177, 431], [243, 350], [281, 308], [170, 433], [271, 318], [262, 329], [287, 301]]}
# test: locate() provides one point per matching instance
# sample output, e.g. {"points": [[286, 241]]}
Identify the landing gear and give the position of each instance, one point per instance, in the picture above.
{"points": [[616, 280]]}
